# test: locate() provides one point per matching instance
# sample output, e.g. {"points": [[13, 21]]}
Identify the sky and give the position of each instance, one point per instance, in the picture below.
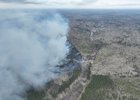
{"points": [[70, 4]]}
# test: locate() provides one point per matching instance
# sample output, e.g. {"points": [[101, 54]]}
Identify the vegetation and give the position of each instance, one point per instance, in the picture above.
{"points": [[35, 95], [97, 87], [87, 71], [40, 95], [67, 83], [104, 88], [87, 47], [130, 87]]}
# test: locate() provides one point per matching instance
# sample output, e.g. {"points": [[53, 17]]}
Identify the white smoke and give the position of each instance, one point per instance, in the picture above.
{"points": [[31, 45]]}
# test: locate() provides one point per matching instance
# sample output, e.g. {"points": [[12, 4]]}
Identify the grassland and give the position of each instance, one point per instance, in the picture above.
{"points": [[129, 88]]}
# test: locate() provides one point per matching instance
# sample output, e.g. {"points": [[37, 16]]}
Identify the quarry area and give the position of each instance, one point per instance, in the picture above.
{"points": [[104, 60]]}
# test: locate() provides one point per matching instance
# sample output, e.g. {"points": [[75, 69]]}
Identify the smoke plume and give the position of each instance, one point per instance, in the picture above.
{"points": [[31, 46]]}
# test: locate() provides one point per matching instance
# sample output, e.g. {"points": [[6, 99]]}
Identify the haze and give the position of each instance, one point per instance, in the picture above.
{"points": [[71, 4]]}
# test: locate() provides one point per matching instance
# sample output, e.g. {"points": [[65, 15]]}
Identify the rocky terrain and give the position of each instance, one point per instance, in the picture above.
{"points": [[109, 69]]}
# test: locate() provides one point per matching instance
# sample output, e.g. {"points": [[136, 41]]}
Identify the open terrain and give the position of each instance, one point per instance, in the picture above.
{"points": [[109, 43]]}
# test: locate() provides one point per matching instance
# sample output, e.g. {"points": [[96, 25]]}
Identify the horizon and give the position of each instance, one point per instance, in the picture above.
{"points": [[70, 4]]}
